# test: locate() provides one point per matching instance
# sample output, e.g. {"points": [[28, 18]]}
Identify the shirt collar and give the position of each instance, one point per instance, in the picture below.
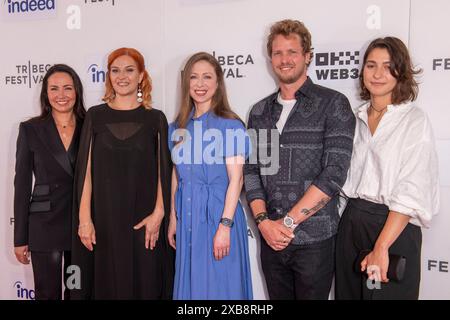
{"points": [[202, 117], [305, 90], [362, 110]]}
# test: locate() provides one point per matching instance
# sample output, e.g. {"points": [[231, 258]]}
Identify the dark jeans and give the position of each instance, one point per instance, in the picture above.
{"points": [[48, 273], [360, 225], [299, 272]]}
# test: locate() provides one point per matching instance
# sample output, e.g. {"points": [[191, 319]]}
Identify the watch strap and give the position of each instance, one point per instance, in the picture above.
{"points": [[227, 222]]}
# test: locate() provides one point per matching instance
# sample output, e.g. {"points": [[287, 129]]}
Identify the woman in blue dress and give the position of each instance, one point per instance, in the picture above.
{"points": [[209, 145]]}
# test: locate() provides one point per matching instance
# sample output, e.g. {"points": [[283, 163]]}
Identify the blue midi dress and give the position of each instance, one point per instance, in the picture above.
{"points": [[199, 203]]}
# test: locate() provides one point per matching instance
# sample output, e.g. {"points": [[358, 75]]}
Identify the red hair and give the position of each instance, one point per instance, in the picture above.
{"points": [[146, 83]]}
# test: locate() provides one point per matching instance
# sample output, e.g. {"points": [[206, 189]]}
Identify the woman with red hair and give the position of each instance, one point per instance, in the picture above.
{"points": [[122, 190]]}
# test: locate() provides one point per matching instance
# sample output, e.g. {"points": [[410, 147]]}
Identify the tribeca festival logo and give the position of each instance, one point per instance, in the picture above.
{"points": [[27, 74], [199, 2], [22, 292], [440, 266], [99, 2], [233, 65], [29, 9], [441, 64], [336, 65]]}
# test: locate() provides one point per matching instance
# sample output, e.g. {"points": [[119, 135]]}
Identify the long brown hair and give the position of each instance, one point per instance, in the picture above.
{"points": [[219, 105], [78, 109], [401, 68], [146, 83]]}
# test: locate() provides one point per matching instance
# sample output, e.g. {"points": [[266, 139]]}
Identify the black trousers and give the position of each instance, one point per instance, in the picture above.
{"points": [[299, 272], [48, 273], [360, 225]]}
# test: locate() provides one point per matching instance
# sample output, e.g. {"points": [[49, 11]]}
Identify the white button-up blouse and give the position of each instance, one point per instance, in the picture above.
{"points": [[398, 165]]}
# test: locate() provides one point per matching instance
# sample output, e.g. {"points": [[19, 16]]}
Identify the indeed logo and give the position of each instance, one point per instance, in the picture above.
{"points": [[22, 292], [23, 6], [97, 75]]}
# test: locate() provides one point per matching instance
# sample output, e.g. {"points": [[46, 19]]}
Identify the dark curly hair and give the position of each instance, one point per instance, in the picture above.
{"points": [[401, 68]]}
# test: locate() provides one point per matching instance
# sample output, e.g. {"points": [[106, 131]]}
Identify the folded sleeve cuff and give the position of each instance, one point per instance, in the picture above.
{"points": [[327, 187], [418, 217]]}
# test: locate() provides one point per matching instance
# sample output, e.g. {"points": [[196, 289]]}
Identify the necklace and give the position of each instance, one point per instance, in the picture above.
{"points": [[69, 123], [65, 136], [379, 111]]}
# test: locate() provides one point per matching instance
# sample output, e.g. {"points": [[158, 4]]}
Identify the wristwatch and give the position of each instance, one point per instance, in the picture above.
{"points": [[227, 222], [288, 222]]}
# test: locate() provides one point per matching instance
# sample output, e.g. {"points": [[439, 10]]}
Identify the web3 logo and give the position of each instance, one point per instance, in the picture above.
{"points": [[340, 65], [336, 68], [22, 292]]}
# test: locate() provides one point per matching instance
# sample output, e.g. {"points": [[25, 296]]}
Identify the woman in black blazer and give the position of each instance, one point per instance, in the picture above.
{"points": [[47, 148]]}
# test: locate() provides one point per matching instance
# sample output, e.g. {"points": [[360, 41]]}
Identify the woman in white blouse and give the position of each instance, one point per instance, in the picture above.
{"points": [[392, 183]]}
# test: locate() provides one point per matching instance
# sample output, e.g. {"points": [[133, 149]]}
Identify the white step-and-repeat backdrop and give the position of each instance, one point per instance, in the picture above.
{"points": [[37, 33]]}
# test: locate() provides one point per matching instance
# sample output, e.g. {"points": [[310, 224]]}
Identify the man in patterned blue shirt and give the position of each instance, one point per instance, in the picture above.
{"points": [[296, 207]]}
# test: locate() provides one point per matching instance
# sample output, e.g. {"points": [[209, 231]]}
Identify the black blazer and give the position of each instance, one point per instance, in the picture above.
{"points": [[42, 217]]}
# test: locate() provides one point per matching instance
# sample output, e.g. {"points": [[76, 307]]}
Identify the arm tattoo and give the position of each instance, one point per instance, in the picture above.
{"points": [[316, 208]]}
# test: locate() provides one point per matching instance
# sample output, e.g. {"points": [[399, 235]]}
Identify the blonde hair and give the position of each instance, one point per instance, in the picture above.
{"points": [[220, 105], [287, 28]]}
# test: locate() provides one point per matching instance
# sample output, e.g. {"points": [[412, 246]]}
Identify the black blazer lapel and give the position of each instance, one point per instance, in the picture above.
{"points": [[49, 135], [73, 148]]}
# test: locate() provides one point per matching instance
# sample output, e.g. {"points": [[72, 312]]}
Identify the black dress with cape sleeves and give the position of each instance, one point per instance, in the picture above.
{"points": [[127, 147]]}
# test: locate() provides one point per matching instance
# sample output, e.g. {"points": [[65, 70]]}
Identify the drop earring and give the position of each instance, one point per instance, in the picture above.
{"points": [[139, 94]]}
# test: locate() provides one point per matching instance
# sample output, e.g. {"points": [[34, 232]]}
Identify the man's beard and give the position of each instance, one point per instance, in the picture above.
{"points": [[289, 79]]}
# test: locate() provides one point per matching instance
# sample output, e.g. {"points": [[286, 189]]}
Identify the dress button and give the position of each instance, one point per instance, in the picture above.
{"points": [[190, 229], [189, 213], [281, 145], [189, 199]]}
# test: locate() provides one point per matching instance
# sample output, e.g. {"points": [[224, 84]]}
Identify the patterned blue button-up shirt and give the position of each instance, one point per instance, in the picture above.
{"points": [[315, 147]]}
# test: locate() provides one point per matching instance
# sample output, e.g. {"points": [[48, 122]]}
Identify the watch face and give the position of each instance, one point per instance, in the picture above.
{"points": [[288, 221], [226, 222]]}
